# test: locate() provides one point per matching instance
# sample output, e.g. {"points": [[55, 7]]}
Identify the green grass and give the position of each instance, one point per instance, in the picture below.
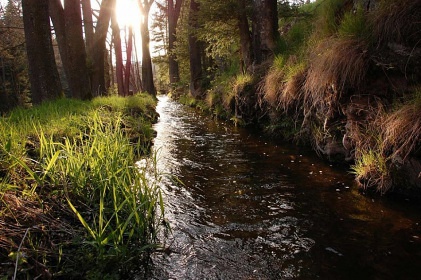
{"points": [[355, 24], [83, 154]]}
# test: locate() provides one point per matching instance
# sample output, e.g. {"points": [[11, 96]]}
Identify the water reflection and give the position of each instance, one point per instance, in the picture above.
{"points": [[255, 210]]}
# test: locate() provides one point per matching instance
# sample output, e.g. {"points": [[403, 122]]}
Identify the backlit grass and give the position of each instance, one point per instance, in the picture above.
{"points": [[76, 161]]}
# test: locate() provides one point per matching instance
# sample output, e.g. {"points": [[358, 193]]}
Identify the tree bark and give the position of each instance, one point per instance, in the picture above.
{"points": [[79, 76], [88, 27], [147, 73], [110, 56], [98, 54], [265, 30], [196, 74], [67, 23], [118, 54], [173, 15], [245, 38], [129, 48], [56, 12], [138, 79], [43, 74]]}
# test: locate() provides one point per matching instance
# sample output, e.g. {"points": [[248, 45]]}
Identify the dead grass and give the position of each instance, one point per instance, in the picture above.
{"points": [[372, 167], [336, 65], [282, 85], [273, 85], [397, 21], [45, 232], [402, 129], [293, 90]]}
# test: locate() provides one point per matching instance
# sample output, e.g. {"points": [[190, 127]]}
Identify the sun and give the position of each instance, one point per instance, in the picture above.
{"points": [[128, 13]]}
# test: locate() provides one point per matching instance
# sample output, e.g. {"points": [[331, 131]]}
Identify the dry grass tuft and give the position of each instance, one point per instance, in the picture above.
{"points": [[335, 65], [372, 166], [397, 21], [293, 90], [282, 85], [273, 86], [402, 129]]}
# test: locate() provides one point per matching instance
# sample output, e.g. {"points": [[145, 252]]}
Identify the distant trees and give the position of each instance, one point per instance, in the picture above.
{"points": [[203, 36], [14, 80], [82, 46], [210, 35]]}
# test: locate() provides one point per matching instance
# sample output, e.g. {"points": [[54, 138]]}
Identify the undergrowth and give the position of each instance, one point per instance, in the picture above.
{"points": [[75, 203]]}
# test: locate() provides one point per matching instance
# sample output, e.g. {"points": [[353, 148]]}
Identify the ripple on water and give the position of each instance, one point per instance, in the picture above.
{"points": [[252, 210]]}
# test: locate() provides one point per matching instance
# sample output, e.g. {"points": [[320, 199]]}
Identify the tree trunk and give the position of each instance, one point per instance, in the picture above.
{"points": [[147, 74], [265, 29], [56, 12], [110, 56], [88, 27], [139, 86], [118, 55], [43, 74], [194, 53], [79, 77], [98, 54], [173, 15], [67, 23], [245, 38], [129, 48]]}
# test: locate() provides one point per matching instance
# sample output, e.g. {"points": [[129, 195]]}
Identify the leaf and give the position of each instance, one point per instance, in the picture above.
{"points": [[81, 219], [51, 163]]}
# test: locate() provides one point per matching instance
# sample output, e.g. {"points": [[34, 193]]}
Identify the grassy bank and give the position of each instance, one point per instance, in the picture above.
{"points": [[345, 79], [74, 201]]}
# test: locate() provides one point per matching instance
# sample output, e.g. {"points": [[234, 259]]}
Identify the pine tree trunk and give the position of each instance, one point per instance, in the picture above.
{"points": [[118, 55], [129, 48], [265, 30], [67, 23], [173, 15], [43, 74], [79, 77], [147, 74], [98, 53], [194, 54], [245, 38], [88, 26]]}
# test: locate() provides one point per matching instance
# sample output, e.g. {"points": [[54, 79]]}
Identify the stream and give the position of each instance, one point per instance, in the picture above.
{"points": [[255, 209]]}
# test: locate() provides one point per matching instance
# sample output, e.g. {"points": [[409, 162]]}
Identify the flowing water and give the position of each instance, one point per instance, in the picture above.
{"points": [[252, 209]]}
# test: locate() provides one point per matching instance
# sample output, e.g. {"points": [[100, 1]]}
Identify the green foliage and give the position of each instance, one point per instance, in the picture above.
{"points": [[188, 100], [372, 170], [329, 14], [14, 81], [355, 24], [221, 38], [83, 153]]}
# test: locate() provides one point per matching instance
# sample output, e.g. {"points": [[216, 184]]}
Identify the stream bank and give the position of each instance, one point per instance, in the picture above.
{"points": [[251, 208], [346, 83]]}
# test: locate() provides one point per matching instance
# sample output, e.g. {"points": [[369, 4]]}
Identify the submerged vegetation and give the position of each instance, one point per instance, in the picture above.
{"points": [[74, 201], [345, 78]]}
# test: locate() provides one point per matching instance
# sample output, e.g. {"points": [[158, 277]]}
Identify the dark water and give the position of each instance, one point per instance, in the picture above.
{"points": [[251, 209]]}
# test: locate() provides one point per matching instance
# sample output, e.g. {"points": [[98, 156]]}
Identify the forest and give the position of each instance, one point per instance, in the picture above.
{"points": [[79, 187]]}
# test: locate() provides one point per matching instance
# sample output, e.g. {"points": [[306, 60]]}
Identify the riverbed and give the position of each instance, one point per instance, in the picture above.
{"points": [[251, 208]]}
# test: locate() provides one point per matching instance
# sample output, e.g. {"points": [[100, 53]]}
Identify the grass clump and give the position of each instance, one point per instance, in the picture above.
{"points": [[76, 203], [355, 24], [402, 128]]}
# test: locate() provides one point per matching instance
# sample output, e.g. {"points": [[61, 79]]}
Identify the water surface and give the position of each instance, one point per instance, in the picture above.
{"points": [[252, 209]]}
